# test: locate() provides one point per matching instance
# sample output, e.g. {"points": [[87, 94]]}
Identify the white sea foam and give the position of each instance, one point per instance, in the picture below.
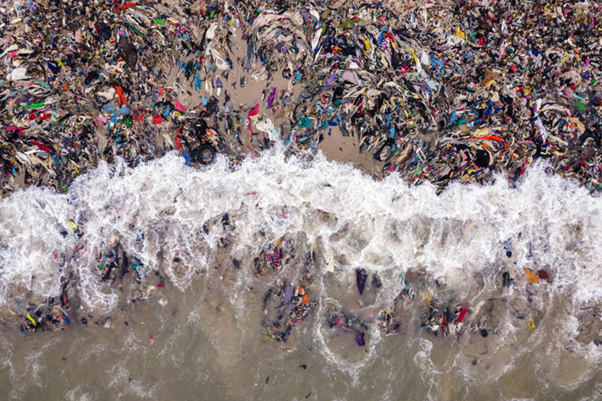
{"points": [[383, 226]]}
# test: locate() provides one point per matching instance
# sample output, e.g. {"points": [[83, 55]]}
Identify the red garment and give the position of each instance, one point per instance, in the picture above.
{"points": [[120, 96], [44, 148], [463, 312]]}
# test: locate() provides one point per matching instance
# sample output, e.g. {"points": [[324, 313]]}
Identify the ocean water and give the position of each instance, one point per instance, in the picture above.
{"points": [[195, 330]]}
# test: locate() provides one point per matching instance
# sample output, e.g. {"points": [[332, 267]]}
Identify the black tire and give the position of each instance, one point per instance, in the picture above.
{"points": [[204, 155]]}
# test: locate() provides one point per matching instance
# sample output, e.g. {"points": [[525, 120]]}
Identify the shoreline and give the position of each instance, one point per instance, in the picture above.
{"points": [[119, 271]]}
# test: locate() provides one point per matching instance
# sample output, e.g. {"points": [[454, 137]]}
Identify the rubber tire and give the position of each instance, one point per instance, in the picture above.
{"points": [[204, 155]]}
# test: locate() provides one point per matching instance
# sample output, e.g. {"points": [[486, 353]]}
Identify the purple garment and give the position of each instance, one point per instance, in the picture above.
{"points": [[271, 98], [359, 338]]}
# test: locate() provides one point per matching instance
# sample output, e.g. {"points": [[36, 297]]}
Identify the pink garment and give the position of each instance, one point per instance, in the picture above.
{"points": [[179, 107], [18, 129], [251, 114]]}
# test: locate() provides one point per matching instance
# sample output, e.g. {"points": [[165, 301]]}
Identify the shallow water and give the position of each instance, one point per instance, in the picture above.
{"points": [[198, 336]]}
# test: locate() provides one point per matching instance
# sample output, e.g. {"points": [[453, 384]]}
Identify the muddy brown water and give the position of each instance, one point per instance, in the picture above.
{"points": [[205, 344]]}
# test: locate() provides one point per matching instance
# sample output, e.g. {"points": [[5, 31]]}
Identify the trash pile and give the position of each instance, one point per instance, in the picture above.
{"points": [[288, 306], [444, 91], [98, 80], [445, 319], [276, 256], [436, 91], [348, 323], [53, 314], [114, 264], [285, 305]]}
